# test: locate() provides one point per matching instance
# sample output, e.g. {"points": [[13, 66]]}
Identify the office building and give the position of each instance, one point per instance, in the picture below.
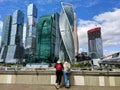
{"points": [[6, 30], [30, 40], [76, 44], [95, 43], [15, 48], [58, 36], [47, 29], [66, 23], [5, 36]]}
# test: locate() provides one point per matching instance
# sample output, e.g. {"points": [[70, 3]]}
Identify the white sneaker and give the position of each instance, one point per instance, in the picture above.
{"points": [[58, 86]]}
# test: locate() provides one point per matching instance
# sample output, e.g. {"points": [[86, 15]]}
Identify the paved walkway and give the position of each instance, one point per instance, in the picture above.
{"points": [[51, 87]]}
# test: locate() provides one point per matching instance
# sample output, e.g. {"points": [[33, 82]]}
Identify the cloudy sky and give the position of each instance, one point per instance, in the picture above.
{"points": [[90, 13]]}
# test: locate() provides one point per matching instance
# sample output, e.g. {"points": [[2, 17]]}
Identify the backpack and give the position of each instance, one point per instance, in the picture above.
{"points": [[67, 68], [59, 66]]}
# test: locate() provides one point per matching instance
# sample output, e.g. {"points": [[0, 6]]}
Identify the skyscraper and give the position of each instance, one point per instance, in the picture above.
{"points": [[67, 50], [15, 49], [6, 30], [30, 42], [58, 36], [46, 38], [5, 36], [76, 44], [95, 42]]}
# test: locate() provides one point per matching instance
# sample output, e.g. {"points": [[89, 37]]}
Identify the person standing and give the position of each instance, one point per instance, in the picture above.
{"points": [[67, 67], [59, 73]]}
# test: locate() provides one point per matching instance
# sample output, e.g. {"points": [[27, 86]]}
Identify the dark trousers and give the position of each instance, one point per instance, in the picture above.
{"points": [[59, 77]]}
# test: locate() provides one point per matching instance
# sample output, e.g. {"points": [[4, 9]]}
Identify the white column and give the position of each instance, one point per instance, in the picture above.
{"points": [[53, 78], [9, 79], [79, 80], [101, 81]]}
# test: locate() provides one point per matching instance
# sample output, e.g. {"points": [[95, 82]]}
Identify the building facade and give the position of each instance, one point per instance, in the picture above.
{"points": [[15, 48], [30, 40], [58, 36], [66, 22], [6, 30], [5, 41], [47, 30], [75, 35], [95, 43]]}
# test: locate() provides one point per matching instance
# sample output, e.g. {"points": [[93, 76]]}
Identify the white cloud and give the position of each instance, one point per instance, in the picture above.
{"points": [[109, 52], [110, 28]]}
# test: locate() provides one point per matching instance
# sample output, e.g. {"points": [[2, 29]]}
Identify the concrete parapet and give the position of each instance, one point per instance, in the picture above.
{"points": [[44, 77]]}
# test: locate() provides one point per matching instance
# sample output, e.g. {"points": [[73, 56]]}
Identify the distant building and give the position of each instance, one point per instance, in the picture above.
{"points": [[76, 44], [67, 50], [95, 43], [5, 41], [30, 40], [15, 48], [47, 39]]}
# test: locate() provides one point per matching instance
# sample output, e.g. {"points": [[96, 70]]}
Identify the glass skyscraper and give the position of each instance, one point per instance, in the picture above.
{"points": [[53, 37], [6, 30], [58, 36], [5, 36], [46, 38], [66, 22], [15, 49], [95, 43], [76, 44], [30, 42]]}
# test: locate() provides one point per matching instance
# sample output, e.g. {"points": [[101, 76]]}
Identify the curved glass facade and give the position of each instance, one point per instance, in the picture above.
{"points": [[66, 29]]}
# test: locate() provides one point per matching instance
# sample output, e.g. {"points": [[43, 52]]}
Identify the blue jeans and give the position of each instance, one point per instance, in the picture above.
{"points": [[67, 78]]}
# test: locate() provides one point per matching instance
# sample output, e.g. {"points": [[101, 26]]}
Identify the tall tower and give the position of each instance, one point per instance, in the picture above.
{"points": [[30, 42], [6, 30], [58, 37], [46, 38], [5, 36], [76, 44], [95, 43], [15, 49], [66, 22]]}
